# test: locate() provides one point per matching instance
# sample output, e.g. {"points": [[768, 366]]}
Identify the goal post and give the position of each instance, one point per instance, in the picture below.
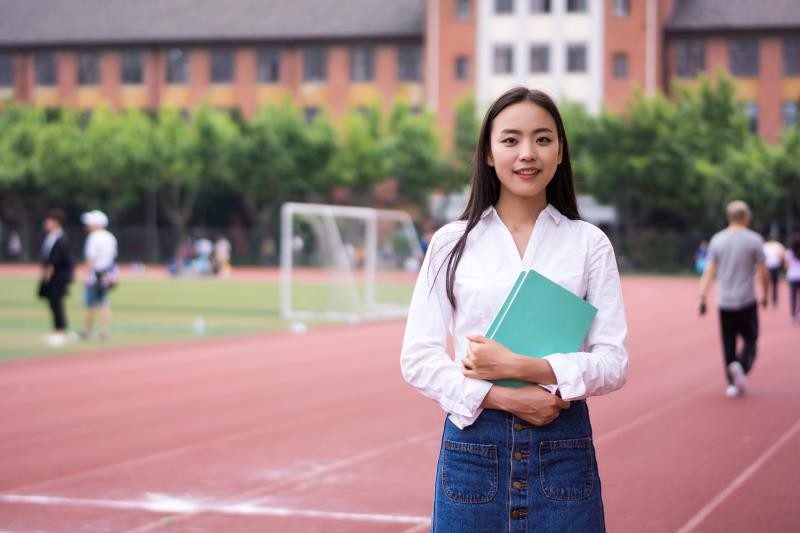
{"points": [[346, 264]]}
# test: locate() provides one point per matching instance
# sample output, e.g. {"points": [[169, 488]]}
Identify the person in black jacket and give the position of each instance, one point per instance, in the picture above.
{"points": [[58, 265]]}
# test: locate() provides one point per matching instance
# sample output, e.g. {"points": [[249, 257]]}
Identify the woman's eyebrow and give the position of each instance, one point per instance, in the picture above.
{"points": [[518, 132]]}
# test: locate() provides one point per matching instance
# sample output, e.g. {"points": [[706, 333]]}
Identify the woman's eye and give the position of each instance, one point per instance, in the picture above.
{"points": [[509, 140], [543, 140]]}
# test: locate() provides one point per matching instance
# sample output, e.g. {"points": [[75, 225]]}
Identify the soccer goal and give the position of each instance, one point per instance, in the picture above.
{"points": [[346, 264]]}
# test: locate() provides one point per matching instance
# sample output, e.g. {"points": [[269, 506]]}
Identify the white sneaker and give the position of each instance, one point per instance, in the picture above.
{"points": [[737, 373], [731, 391], [54, 340]]}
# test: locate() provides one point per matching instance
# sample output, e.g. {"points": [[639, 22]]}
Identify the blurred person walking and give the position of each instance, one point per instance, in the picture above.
{"points": [[735, 257], [773, 254], [792, 261], [222, 257], [100, 253], [700, 257], [58, 265]]}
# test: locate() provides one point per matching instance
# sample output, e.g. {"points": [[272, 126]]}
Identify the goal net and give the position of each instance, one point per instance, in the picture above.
{"points": [[346, 264]]}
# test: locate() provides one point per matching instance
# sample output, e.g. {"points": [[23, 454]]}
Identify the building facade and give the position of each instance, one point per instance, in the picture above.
{"points": [[554, 45], [234, 54]]}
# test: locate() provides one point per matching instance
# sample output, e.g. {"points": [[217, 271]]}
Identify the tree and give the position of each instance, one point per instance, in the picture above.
{"points": [[412, 153]]}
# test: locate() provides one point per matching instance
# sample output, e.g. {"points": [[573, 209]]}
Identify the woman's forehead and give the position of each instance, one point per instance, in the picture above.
{"points": [[523, 117]]}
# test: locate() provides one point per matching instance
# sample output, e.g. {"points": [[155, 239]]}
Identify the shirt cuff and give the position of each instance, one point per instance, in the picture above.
{"points": [[475, 390], [568, 376]]}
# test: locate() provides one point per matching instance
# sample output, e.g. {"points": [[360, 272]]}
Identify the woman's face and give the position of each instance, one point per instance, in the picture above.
{"points": [[525, 150]]}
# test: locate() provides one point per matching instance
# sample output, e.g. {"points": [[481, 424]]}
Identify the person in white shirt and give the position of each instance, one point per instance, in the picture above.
{"points": [[773, 254], [100, 254], [515, 458]]}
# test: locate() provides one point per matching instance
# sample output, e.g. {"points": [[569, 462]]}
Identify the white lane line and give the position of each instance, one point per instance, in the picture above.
{"points": [[703, 513], [258, 494], [176, 506], [650, 415], [420, 528], [164, 454]]}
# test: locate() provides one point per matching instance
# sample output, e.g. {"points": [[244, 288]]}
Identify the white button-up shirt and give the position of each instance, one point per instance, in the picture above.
{"points": [[573, 253]]}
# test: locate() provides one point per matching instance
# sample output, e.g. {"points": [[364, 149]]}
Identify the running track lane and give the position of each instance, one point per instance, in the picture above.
{"points": [[319, 433]]}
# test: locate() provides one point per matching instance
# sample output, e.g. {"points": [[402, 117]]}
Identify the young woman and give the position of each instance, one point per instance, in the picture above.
{"points": [[515, 459]]}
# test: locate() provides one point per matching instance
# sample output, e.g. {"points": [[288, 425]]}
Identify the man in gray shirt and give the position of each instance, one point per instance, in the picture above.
{"points": [[735, 256]]}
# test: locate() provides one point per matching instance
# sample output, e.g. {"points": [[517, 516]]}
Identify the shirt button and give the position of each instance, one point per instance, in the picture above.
{"points": [[518, 485], [515, 514], [517, 427], [518, 456]]}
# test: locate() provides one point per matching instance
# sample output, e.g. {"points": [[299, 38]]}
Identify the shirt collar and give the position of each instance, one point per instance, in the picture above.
{"points": [[554, 214]]}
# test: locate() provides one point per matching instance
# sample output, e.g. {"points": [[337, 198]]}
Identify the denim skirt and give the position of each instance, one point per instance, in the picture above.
{"points": [[502, 474]]}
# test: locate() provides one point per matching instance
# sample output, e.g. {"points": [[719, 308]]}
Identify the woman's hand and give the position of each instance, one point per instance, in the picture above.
{"points": [[530, 403], [489, 360]]}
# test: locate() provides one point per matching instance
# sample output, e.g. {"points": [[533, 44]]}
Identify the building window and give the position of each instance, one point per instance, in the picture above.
{"points": [[540, 58], [789, 114], [743, 57], [576, 6], [540, 6], [462, 68], [503, 59], [620, 65], [576, 58], [791, 56], [691, 58], [503, 7], [6, 70], [315, 60], [269, 65], [88, 68], [362, 63], [132, 67], [310, 114], [45, 68], [622, 8], [751, 109], [177, 66], [409, 62], [222, 65], [462, 9]]}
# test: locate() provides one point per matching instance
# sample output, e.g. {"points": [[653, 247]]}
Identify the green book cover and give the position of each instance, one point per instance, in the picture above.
{"points": [[540, 317]]}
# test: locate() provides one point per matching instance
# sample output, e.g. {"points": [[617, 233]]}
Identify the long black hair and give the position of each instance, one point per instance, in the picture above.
{"points": [[485, 186]]}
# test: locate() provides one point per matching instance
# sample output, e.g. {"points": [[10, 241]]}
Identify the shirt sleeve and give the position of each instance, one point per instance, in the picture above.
{"points": [[603, 368], [424, 361]]}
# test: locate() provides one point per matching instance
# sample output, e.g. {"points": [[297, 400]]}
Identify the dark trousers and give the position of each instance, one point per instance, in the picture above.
{"points": [[775, 277], [56, 302], [794, 289], [739, 323]]}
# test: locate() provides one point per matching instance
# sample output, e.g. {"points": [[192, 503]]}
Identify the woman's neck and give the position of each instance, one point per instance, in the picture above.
{"points": [[517, 212]]}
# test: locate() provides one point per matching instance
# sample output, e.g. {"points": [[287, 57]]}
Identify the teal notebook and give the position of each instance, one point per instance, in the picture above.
{"points": [[540, 317]]}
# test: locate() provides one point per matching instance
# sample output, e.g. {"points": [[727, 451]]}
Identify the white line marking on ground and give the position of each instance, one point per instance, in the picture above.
{"points": [[158, 455], [650, 415], [177, 506], [420, 528], [703, 513], [299, 478]]}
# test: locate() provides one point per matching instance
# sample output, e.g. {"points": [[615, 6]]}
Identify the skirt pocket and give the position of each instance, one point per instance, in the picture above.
{"points": [[566, 468], [469, 471]]}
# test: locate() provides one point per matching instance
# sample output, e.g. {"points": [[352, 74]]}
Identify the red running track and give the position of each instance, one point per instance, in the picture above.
{"points": [[318, 432]]}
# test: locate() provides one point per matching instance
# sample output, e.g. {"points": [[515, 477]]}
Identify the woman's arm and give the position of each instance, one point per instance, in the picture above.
{"points": [[424, 361]]}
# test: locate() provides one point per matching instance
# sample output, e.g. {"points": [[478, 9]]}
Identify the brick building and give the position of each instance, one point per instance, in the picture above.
{"points": [[758, 43], [237, 54]]}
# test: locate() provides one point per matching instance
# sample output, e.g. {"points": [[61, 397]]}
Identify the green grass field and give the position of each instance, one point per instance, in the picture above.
{"points": [[147, 310]]}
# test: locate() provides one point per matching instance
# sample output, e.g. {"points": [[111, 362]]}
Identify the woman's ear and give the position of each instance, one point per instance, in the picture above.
{"points": [[560, 151], [489, 160]]}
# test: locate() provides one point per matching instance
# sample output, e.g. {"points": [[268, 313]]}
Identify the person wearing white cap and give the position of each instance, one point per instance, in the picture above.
{"points": [[100, 253]]}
